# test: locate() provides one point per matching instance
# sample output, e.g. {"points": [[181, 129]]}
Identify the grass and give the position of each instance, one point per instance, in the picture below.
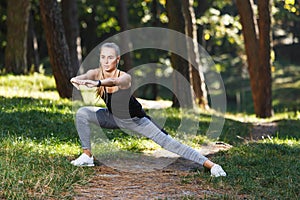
{"points": [[38, 139], [262, 170]]}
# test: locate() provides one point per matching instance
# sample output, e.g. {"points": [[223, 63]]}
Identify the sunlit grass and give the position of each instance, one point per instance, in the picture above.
{"points": [[35, 170], [269, 169], [36, 86], [38, 138]]}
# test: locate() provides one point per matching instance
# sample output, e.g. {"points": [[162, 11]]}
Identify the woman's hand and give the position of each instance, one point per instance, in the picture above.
{"points": [[75, 83], [88, 83]]}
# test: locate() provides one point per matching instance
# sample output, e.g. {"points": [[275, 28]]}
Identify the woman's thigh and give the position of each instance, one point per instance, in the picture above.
{"points": [[97, 115]]}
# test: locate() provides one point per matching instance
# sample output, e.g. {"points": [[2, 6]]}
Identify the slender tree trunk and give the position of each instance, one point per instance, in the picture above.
{"points": [[196, 73], [57, 47], [33, 57], [17, 28], [257, 45], [71, 26], [265, 41], [72, 32], [154, 23], [176, 22], [125, 43]]}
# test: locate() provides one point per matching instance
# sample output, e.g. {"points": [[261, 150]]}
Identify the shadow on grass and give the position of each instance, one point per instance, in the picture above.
{"points": [[36, 119]]}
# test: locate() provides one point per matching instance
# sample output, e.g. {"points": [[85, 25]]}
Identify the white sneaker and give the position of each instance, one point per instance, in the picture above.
{"points": [[217, 171], [83, 160]]}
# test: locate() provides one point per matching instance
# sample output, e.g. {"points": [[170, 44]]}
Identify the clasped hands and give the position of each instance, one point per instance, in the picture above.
{"points": [[87, 83]]}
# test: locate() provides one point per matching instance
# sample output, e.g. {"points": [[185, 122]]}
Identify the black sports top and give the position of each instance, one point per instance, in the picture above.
{"points": [[122, 104]]}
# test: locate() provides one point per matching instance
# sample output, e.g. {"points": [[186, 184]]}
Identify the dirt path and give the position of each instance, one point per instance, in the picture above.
{"points": [[171, 182]]}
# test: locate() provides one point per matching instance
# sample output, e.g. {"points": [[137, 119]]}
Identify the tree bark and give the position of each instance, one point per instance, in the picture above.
{"points": [[17, 28], [176, 22], [58, 50], [71, 26], [33, 57], [154, 23], [265, 41], [72, 32], [125, 43], [257, 40], [196, 73]]}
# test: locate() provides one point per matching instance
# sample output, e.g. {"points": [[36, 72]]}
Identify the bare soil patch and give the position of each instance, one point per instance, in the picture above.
{"points": [[171, 182]]}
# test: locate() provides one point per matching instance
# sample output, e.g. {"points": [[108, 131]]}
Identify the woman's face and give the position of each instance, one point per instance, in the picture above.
{"points": [[108, 59]]}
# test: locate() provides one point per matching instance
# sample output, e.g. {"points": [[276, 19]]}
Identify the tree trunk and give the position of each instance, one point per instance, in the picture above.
{"points": [[176, 22], [257, 40], [33, 57], [154, 23], [57, 47], [17, 28], [265, 41], [195, 68], [72, 32], [125, 43], [71, 26]]}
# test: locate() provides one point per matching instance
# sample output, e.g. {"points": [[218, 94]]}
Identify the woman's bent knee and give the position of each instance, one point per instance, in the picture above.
{"points": [[82, 113]]}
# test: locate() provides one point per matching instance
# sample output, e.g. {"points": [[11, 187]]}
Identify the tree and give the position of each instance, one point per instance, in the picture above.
{"points": [[125, 43], [17, 27], [71, 26], [196, 73], [176, 22], [33, 57], [257, 45], [57, 47]]}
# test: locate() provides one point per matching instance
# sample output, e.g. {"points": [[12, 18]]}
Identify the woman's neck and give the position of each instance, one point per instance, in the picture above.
{"points": [[110, 74]]}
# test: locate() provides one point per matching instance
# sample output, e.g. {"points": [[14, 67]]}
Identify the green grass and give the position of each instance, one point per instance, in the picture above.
{"points": [[262, 170], [38, 139]]}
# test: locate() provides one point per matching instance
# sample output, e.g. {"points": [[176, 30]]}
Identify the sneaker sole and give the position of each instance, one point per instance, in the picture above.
{"points": [[85, 165]]}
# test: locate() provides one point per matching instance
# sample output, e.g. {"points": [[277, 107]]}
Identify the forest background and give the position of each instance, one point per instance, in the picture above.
{"points": [[79, 26], [254, 45]]}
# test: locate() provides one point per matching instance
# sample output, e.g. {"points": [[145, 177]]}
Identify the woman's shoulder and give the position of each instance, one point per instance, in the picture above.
{"points": [[93, 72], [124, 73]]}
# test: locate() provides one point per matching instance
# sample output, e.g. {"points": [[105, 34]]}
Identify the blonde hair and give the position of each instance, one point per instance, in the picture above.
{"points": [[100, 90]]}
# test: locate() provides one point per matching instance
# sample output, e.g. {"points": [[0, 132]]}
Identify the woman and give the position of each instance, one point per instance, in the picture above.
{"points": [[114, 86]]}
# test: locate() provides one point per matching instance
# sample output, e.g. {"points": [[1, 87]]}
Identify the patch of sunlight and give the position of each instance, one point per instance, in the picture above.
{"points": [[10, 92], [46, 148], [36, 86], [288, 141]]}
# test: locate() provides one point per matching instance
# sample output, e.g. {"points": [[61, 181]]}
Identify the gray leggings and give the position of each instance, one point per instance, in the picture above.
{"points": [[103, 118]]}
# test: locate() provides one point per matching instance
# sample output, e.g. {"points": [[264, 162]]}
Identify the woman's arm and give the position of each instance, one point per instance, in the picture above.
{"points": [[123, 82], [91, 74]]}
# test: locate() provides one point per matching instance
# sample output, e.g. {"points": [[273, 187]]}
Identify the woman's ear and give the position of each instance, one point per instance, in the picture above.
{"points": [[118, 61]]}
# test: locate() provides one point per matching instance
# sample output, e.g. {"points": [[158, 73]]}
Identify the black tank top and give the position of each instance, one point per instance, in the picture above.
{"points": [[122, 104]]}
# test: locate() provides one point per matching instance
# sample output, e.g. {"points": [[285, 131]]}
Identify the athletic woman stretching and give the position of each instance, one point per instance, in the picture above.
{"points": [[114, 87]]}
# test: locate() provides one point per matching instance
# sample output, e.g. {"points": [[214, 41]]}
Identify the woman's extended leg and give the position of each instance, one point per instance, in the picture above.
{"points": [[145, 127]]}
